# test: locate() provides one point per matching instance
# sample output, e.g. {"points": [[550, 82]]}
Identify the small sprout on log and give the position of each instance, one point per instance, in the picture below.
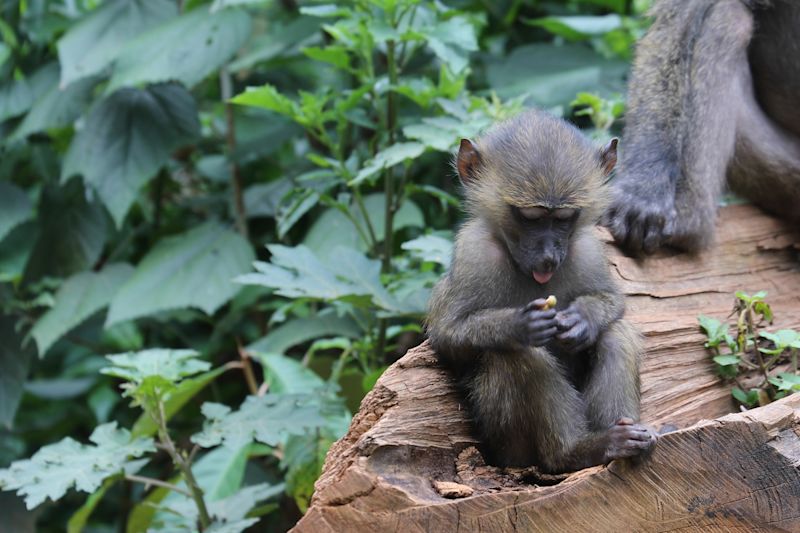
{"points": [[753, 357]]}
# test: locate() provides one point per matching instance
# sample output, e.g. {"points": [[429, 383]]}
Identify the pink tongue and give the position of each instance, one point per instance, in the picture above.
{"points": [[542, 277]]}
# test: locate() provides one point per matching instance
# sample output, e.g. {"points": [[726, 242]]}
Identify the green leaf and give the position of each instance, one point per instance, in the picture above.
{"points": [[57, 108], [451, 41], [369, 380], [69, 463], [228, 513], [79, 297], [187, 389], [332, 228], [268, 97], [195, 269], [726, 360], [18, 95], [387, 158], [279, 40], [337, 56], [578, 28], [264, 199], [430, 248], [80, 517], [15, 250], [14, 364], [297, 272], [96, 41], [550, 75], [169, 365], [72, 233], [301, 330], [127, 138], [187, 49], [15, 207], [285, 374], [786, 382], [267, 419]]}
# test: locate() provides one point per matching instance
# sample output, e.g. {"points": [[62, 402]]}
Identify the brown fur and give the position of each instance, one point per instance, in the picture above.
{"points": [[536, 405]]}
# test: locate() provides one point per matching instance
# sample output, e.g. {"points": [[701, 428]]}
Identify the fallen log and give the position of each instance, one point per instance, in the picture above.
{"points": [[409, 461]]}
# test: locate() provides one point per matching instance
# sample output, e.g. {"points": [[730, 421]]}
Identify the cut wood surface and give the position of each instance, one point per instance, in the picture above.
{"points": [[409, 462]]}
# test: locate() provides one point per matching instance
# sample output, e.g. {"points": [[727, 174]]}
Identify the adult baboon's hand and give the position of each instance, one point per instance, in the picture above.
{"points": [[641, 222]]}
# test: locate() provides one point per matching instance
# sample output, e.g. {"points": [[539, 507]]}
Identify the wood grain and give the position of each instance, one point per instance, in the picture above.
{"points": [[739, 472]]}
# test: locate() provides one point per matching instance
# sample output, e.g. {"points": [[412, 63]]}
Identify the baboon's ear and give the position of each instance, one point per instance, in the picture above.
{"points": [[608, 156], [468, 162]]}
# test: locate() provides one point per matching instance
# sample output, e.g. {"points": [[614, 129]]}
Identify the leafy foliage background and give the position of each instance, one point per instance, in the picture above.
{"points": [[260, 190]]}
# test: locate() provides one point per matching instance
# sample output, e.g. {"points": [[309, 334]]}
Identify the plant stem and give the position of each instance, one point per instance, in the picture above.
{"points": [[247, 368], [157, 482], [751, 325], [226, 90], [391, 124], [184, 466]]}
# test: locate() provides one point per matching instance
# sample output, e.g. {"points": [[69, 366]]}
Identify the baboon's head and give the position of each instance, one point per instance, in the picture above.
{"points": [[535, 179]]}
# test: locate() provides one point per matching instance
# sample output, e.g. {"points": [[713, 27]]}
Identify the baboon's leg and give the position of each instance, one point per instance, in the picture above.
{"points": [[766, 166], [681, 124], [612, 390], [529, 413]]}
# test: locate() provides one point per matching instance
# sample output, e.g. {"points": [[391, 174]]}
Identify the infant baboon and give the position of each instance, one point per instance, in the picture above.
{"points": [[557, 388]]}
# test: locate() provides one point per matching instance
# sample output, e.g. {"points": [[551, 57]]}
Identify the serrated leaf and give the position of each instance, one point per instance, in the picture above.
{"points": [[194, 269], [79, 297], [187, 389], [170, 365], [431, 248], [68, 464], [127, 138], [387, 158], [299, 330], [92, 44], [268, 97], [14, 364], [72, 233], [187, 49], [266, 419], [15, 207], [229, 513], [296, 272]]}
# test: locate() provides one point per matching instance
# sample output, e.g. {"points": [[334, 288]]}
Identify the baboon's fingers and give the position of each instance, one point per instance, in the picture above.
{"points": [[540, 338], [635, 232], [653, 233]]}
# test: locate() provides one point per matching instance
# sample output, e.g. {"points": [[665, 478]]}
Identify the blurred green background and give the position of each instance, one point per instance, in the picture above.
{"points": [[153, 150]]}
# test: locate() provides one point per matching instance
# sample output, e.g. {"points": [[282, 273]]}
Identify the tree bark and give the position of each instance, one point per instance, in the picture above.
{"points": [[409, 461]]}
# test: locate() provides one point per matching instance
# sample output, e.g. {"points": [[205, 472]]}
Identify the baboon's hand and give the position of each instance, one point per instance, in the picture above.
{"points": [[575, 331], [539, 323], [641, 222]]}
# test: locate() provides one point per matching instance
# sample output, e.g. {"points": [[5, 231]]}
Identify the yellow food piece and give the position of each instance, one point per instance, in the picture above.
{"points": [[550, 303]]}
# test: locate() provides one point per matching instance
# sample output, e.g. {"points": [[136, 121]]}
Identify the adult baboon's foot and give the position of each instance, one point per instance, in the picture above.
{"points": [[641, 222]]}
